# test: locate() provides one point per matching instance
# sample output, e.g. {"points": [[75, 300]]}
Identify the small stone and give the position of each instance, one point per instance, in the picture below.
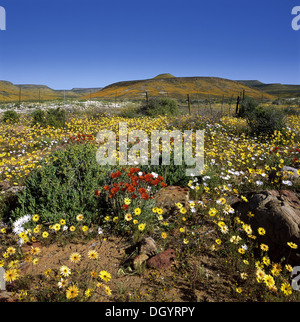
{"points": [[2, 279], [139, 260]]}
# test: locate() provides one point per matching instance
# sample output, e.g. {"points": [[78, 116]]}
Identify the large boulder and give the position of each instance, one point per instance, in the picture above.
{"points": [[278, 212]]}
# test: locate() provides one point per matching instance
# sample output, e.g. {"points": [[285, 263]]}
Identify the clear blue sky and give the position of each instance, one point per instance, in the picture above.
{"points": [[91, 43]]}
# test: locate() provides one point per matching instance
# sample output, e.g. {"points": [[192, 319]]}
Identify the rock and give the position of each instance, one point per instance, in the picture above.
{"points": [[291, 173], [139, 260], [148, 247], [7, 297], [4, 185], [167, 197], [145, 249], [278, 212], [163, 260]]}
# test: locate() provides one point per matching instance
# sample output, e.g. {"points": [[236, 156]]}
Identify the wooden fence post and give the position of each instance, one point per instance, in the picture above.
{"points": [[189, 103]]}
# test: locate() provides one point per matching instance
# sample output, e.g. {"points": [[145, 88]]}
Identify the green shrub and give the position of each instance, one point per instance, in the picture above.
{"points": [[261, 120], [265, 120], [160, 106], [65, 183], [52, 117], [11, 117], [247, 107]]}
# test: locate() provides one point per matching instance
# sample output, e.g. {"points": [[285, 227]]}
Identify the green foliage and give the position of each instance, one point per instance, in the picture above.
{"points": [[160, 106], [52, 117], [11, 117], [129, 112], [261, 120], [65, 183], [173, 174]]}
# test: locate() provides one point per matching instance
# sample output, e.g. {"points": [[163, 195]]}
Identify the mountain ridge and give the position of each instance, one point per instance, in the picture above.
{"points": [[178, 88]]}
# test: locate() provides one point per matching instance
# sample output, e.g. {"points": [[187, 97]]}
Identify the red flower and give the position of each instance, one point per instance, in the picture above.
{"points": [[145, 196], [97, 193], [106, 187], [131, 188], [142, 190], [125, 207]]}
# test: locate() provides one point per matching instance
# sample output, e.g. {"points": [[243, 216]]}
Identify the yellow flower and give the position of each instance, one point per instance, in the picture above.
{"points": [[159, 211], [107, 290], [105, 276], [141, 227], [11, 275], [244, 198], [72, 228], [164, 235], [241, 250], [292, 245], [35, 218], [93, 254], [56, 227], [286, 289], [79, 217], [85, 228], [269, 280], [127, 201], [65, 271], [154, 209], [11, 250], [72, 292], [212, 212], [35, 250], [128, 217], [183, 210], [218, 241], [137, 211], [261, 231], [75, 257], [222, 201], [238, 290], [62, 222], [178, 205], [260, 274], [247, 229], [264, 247]]}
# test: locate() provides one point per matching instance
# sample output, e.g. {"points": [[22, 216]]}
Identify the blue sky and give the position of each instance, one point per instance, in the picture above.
{"points": [[91, 43]]}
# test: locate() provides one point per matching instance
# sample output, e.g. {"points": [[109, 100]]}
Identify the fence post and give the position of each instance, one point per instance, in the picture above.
{"points": [[189, 103], [237, 105]]}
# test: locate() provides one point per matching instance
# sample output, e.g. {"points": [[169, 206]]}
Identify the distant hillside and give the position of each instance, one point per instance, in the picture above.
{"points": [[177, 87], [276, 89], [10, 92]]}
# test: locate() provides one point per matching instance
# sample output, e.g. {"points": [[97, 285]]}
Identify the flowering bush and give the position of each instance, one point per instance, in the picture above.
{"points": [[130, 195]]}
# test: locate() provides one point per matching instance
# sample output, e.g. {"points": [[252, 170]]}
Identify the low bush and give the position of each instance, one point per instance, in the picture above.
{"points": [[64, 184], [11, 117], [261, 120], [160, 106], [52, 117]]}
